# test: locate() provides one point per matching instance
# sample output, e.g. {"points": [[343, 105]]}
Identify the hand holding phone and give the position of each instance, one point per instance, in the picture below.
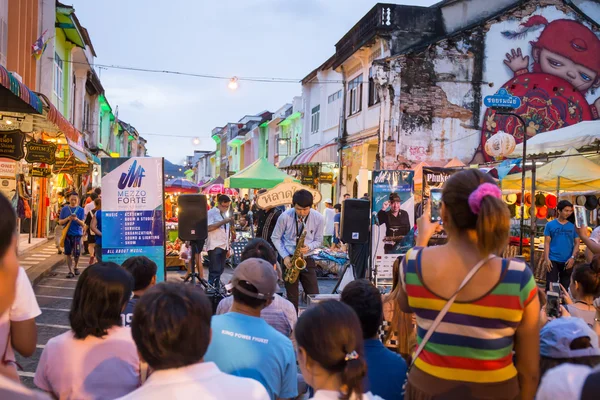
{"points": [[435, 200], [553, 304]]}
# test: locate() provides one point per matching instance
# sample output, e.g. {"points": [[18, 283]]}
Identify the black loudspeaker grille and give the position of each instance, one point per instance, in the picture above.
{"points": [[192, 217], [355, 221]]}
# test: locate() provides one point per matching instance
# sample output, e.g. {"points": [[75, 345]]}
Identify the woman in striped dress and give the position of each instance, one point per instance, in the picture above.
{"points": [[470, 355]]}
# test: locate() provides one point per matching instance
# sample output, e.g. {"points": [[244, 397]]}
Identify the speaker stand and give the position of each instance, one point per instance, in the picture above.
{"points": [[193, 274]]}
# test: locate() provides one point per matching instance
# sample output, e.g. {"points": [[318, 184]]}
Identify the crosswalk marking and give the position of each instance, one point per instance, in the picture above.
{"points": [[57, 287], [54, 309], [61, 279], [54, 326], [54, 297], [40, 346], [29, 263], [26, 374]]}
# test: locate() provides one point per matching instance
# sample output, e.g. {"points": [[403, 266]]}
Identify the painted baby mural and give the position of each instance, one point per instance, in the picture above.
{"points": [[565, 66]]}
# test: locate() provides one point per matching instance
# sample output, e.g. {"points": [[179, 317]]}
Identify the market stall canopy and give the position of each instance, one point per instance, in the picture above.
{"points": [[20, 99], [219, 188], [578, 136], [572, 173], [216, 181], [261, 174], [455, 163], [181, 185]]}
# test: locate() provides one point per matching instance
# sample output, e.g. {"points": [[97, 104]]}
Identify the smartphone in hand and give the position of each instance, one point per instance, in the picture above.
{"points": [[435, 199], [553, 304]]}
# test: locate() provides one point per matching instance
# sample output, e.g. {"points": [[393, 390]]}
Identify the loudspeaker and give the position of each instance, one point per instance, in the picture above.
{"points": [[193, 225], [355, 221]]}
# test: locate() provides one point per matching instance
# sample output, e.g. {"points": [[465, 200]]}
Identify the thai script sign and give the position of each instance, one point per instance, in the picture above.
{"points": [[282, 195]]}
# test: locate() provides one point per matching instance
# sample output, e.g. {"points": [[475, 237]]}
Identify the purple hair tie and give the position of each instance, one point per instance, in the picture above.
{"points": [[486, 189]]}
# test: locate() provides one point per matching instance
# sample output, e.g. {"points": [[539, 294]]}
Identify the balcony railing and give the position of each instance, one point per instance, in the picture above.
{"points": [[377, 21]]}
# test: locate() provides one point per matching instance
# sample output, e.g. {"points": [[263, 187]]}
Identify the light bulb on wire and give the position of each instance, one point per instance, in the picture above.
{"points": [[233, 83], [196, 141]]}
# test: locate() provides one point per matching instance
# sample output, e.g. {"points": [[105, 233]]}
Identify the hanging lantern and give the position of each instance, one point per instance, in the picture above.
{"points": [[500, 145]]}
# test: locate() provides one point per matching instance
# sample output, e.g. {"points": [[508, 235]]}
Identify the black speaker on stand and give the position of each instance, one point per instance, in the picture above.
{"points": [[193, 226], [355, 232]]}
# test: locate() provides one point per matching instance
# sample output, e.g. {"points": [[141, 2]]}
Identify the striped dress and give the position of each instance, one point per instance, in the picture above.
{"points": [[474, 341]]}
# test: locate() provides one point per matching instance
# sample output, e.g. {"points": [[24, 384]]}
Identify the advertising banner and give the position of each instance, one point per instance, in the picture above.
{"points": [[434, 178], [132, 210], [393, 208], [8, 182]]}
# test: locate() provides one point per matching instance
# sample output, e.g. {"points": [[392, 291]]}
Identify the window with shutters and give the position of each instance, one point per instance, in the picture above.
{"points": [[355, 95], [314, 119], [373, 93], [58, 77]]}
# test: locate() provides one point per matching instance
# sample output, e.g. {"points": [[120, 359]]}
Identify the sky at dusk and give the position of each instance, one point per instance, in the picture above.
{"points": [[246, 38]]}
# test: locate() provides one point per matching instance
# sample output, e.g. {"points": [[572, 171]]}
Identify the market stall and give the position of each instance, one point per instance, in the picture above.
{"points": [[173, 189], [261, 174]]}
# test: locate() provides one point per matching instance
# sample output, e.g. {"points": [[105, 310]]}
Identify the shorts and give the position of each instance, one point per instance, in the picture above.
{"points": [[73, 246]]}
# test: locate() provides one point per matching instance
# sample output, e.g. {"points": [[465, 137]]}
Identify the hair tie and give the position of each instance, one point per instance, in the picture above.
{"points": [[351, 356], [482, 191]]}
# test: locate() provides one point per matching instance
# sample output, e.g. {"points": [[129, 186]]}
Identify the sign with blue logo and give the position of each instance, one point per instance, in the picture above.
{"points": [[502, 99], [132, 210]]}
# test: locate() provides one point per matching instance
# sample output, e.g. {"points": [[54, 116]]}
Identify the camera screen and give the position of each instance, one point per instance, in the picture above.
{"points": [[553, 304], [436, 205]]}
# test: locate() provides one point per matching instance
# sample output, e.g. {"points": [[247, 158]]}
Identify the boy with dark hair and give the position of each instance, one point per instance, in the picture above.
{"points": [[561, 246], [171, 330], [386, 370], [290, 226], [143, 271], [244, 344], [72, 217]]}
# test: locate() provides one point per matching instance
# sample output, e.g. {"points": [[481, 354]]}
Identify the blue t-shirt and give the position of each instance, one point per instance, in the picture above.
{"points": [[99, 227], [562, 240], [249, 347], [74, 229], [386, 371], [127, 315]]}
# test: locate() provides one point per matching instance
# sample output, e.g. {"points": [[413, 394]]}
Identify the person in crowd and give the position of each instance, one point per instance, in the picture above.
{"points": [[218, 244], [337, 218], [12, 294], [346, 196], [328, 229], [584, 288], [561, 245], [569, 381], [330, 352], [98, 191], [58, 229], [143, 271], [96, 358], [18, 330], [72, 218], [91, 235], [496, 307], [266, 220], [396, 220], [594, 236], [89, 206], [280, 313], [171, 330], [290, 226], [386, 370], [398, 329], [568, 340], [96, 227], [244, 344], [244, 205]]}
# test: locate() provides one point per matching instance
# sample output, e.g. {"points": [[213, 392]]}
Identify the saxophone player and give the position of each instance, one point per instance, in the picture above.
{"points": [[290, 226]]}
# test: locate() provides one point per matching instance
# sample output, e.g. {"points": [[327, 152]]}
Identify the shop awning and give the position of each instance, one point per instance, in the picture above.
{"points": [[578, 136], [16, 97], [78, 151], [326, 153], [572, 173], [288, 161], [261, 174]]}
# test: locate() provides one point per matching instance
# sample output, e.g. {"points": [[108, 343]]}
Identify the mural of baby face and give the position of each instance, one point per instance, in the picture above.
{"points": [[580, 77]]}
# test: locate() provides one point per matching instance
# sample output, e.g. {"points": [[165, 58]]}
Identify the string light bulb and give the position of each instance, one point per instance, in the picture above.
{"points": [[196, 142], [233, 83]]}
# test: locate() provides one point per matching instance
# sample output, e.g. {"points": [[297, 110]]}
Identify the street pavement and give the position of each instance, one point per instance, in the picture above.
{"points": [[54, 293]]}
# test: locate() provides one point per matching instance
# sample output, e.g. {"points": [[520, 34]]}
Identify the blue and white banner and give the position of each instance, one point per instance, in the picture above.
{"points": [[132, 210]]}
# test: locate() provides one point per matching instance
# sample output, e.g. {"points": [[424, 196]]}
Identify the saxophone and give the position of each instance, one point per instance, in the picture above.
{"points": [[298, 262]]}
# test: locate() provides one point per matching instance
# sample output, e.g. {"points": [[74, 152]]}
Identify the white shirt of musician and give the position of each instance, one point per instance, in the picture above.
{"points": [[220, 236]]}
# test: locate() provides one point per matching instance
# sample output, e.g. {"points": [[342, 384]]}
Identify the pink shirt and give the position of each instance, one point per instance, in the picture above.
{"points": [[92, 368]]}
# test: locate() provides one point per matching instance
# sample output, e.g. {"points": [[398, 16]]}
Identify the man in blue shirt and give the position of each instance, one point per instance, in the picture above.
{"points": [[290, 225], [72, 216], [386, 370], [243, 344], [561, 246]]}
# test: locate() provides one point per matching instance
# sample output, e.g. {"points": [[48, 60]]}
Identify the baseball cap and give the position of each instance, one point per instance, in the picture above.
{"points": [[556, 337], [258, 273], [328, 201]]}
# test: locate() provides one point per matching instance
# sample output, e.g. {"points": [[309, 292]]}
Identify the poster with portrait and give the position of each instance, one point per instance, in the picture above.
{"points": [[434, 178], [393, 210]]}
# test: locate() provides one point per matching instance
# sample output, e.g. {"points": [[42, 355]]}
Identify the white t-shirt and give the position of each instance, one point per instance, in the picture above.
{"points": [[333, 395], [563, 382], [199, 381], [328, 213], [25, 307], [220, 236], [88, 207], [92, 368], [595, 236]]}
